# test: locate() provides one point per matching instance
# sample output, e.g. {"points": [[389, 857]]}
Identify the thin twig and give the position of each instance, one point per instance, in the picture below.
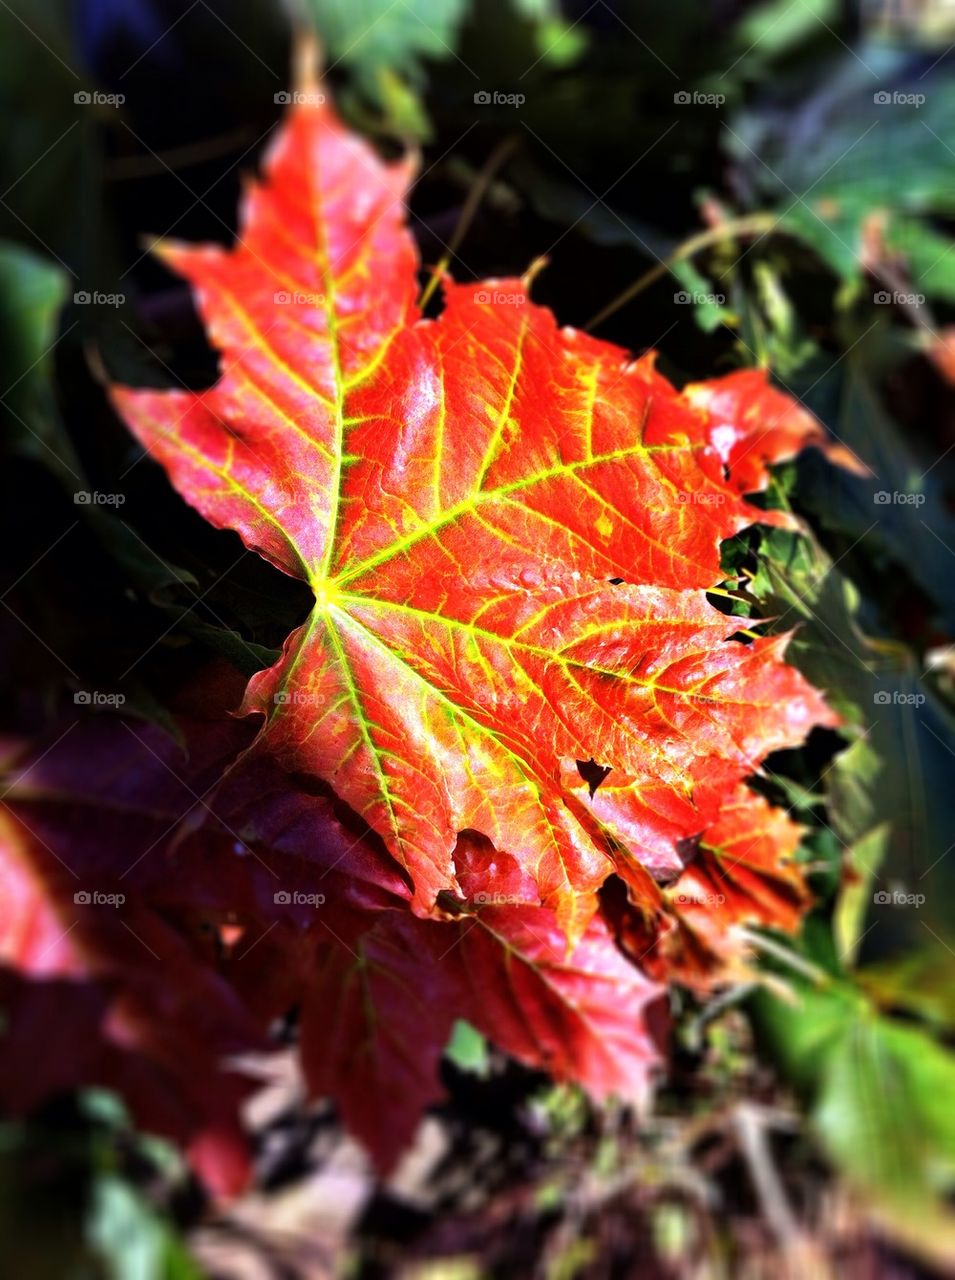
{"points": [[756, 224], [124, 168], [801, 1257], [471, 205]]}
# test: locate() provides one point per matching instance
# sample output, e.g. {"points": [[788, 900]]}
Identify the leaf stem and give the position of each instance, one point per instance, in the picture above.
{"points": [[471, 205], [754, 224], [797, 963]]}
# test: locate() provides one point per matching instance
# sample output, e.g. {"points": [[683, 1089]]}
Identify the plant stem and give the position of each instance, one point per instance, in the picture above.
{"points": [[469, 209], [755, 224]]}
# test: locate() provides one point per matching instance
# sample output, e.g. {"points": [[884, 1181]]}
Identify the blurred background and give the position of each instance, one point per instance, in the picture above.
{"points": [[734, 184]]}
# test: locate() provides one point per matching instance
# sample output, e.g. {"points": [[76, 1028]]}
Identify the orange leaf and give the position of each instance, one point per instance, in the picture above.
{"points": [[508, 527]]}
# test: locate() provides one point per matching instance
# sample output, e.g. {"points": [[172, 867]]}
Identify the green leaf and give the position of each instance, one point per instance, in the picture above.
{"points": [[468, 1049], [32, 292], [706, 299], [386, 46], [920, 983], [772, 29], [368, 34], [879, 1095], [900, 516], [822, 164], [133, 1240], [888, 794]]}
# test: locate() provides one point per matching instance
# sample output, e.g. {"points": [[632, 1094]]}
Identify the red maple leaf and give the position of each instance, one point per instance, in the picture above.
{"points": [[509, 528], [741, 871], [195, 938], [97, 986]]}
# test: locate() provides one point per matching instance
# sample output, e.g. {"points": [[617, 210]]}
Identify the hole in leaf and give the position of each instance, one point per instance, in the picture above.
{"points": [[592, 773]]}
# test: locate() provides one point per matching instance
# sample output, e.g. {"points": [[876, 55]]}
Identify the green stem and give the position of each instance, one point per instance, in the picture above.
{"points": [[754, 224]]}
